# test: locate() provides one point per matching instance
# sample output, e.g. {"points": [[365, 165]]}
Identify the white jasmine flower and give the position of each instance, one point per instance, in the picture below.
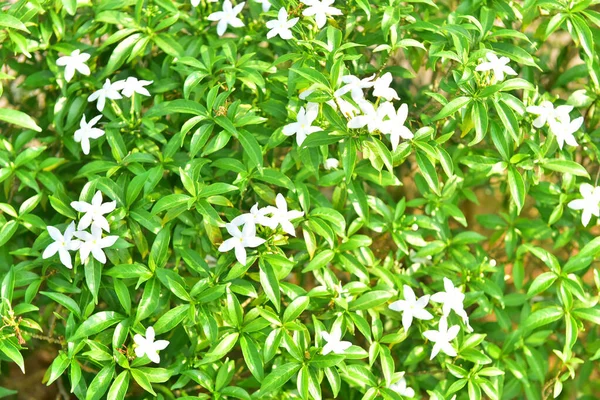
{"points": [[132, 85], [255, 216], [381, 88], [411, 307], [303, 125], [94, 212], [395, 125], [282, 216], [452, 299], [589, 202], [195, 3], [148, 346], [240, 240], [227, 17], [371, 117], [331, 163], [62, 244], [355, 86], [266, 4], [86, 132], [94, 243], [497, 65], [545, 113], [334, 342], [321, 9], [402, 388], [74, 62], [442, 338], [281, 26], [346, 107], [108, 91], [564, 131]]}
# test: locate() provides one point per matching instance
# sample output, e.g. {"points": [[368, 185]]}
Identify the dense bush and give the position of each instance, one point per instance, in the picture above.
{"points": [[353, 199]]}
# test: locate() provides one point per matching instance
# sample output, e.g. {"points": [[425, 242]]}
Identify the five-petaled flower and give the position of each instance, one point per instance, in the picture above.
{"points": [[240, 240], [497, 65], [401, 387], [381, 87], [564, 130], [395, 125], [281, 26], [452, 299], [442, 338], [94, 212], [282, 216], [355, 86], [589, 203], [86, 132], [108, 91], [411, 307], [303, 125], [331, 163], [148, 346], [132, 85], [371, 118], [266, 5], [321, 9], [227, 17], [62, 244], [94, 243], [334, 342], [74, 62], [255, 216]]}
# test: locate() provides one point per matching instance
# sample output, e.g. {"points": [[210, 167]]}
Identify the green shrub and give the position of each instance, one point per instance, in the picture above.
{"points": [[279, 200]]}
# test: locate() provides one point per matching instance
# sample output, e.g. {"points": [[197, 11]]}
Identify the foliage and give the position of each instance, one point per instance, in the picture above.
{"points": [[472, 192]]}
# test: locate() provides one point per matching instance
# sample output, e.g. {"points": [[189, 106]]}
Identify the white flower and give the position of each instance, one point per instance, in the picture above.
{"points": [[94, 243], [132, 85], [371, 117], [402, 388], [355, 86], [266, 4], [545, 113], [589, 203], [147, 345], [564, 130], [321, 9], [442, 337], [227, 17], [331, 163], [452, 299], [94, 212], [303, 125], [346, 107], [74, 62], [255, 216], [195, 3], [395, 125], [282, 216], [334, 342], [497, 65], [240, 240], [108, 91], [381, 88], [281, 26], [86, 132], [62, 244], [411, 307]]}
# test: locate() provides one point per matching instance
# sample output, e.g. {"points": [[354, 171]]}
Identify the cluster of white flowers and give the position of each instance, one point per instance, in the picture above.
{"points": [[148, 346], [590, 203], [228, 16], [451, 299], [558, 120], [87, 242], [128, 87], [268, 216]]}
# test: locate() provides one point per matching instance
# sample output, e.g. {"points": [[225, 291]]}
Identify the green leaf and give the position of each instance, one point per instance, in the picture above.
{"points": [[100, 383], [18, 118], [65, 301], [118, 389], [252, 357], [320, 260], [278, 377], [7, 231], [541, 283], [169, 320], [589, 314], [96, 324], [8, 21], [142, 380], [149, 300], [452, 107], [295, 308], [517, 187], [10, 350], [270, 284], [565, 166], [584, 35], [251, 148], [370, 300], [543, 317]]}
